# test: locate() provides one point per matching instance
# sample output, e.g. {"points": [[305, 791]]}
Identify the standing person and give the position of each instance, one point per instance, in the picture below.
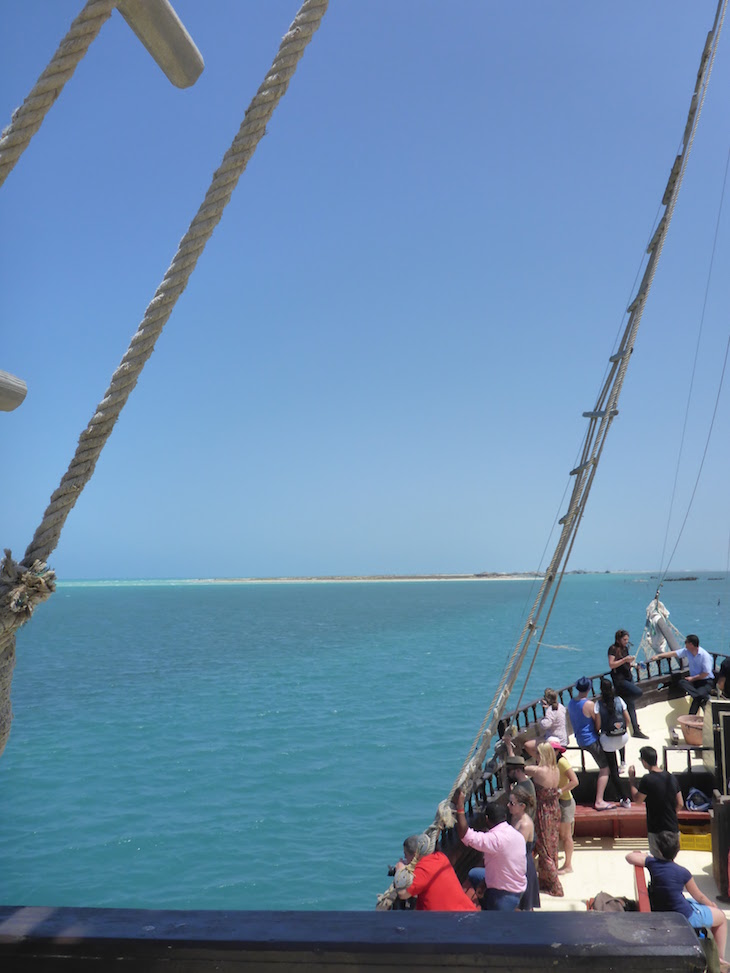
{"points": [[660, 790], [699, 683], [521, 808], [516, 776], [434, 881], [613, 735], [621, 664], [545, 776], [504, 856], [581, 712], [669, 881], [567, 783]]}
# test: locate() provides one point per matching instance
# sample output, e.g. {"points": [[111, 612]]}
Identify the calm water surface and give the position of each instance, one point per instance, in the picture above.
{"points": [[263, 746]]}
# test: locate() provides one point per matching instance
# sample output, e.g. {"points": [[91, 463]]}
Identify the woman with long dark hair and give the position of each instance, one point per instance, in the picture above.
{"points": [[621, 664], [610, 720]]}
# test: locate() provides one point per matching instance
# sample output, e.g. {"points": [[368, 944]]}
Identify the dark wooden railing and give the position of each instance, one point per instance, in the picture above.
{"points": [[39, 940], [650, 676]]}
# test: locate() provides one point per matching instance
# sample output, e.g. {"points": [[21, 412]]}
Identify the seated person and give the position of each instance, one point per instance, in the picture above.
{"points": [[700, 682], [434, 881], [551, 724], [721, 678], [505, 856], [669, 881]]}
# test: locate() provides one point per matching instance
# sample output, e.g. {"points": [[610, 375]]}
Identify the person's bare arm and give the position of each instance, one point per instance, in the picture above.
{"points": [[572, 782], [637, 857], [461, 825], [614, 663], [680, 801], [636, 794], [692, 889]]}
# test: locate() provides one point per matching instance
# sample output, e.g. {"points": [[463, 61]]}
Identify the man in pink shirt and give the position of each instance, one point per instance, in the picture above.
{"points": [[505, 856]]}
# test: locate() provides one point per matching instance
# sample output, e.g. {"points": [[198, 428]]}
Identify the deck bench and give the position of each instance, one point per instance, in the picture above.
{"points": [[622, 822]]}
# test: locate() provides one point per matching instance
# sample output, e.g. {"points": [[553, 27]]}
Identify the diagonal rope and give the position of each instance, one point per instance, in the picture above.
{"points": [[29, 117], [665, 567], [93, 438]]}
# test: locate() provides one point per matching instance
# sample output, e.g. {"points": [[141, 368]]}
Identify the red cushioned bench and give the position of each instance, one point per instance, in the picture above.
{"points": [[625, 822]]}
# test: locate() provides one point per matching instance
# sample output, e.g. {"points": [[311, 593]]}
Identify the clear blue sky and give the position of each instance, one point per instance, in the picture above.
{"points": [[382, 359]]}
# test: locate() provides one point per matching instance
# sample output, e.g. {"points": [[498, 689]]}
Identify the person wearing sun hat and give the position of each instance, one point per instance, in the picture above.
{"points": [[567, 782]]}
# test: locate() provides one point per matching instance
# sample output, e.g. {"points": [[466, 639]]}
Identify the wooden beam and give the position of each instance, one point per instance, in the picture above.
{"points": [[163, 34], [12, 391]]}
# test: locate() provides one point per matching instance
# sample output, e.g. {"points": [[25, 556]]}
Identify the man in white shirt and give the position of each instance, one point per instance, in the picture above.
{"points": [[700, 682]]}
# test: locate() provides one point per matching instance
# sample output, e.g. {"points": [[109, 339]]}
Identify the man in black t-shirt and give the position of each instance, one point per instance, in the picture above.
{"points": [[660, 790]]}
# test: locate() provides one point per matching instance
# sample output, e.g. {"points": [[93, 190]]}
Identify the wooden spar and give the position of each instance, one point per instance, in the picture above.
{"points": [[12, 391], [161, 31]]}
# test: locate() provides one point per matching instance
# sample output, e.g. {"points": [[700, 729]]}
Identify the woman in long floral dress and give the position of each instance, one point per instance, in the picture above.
{"points": [[545, 776]]}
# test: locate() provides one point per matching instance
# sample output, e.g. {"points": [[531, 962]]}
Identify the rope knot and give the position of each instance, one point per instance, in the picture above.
{"points": [[29, 586]]}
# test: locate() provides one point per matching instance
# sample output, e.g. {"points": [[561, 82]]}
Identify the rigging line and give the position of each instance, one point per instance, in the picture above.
{"points": [[530, 594], [578, 519], [663, 572], [704, 454], [28, 118]]}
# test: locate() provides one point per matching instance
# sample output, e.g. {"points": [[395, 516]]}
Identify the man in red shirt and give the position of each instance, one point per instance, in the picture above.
{"points": [[434, 881]]}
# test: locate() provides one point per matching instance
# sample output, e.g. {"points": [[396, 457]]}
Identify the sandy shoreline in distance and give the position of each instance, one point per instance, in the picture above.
{"points": [[369, 578]]}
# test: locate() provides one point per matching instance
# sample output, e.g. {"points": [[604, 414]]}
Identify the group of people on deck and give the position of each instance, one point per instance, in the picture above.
{"points": [[540, 809]]}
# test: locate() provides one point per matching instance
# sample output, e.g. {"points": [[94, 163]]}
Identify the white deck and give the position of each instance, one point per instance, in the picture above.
{"points": [[599, 864]]}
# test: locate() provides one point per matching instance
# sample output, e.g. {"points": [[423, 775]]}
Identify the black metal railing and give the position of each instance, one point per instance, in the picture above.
{"points": [[528, 715]]}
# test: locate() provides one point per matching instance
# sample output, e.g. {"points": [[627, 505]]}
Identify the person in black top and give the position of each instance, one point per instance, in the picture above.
{"points": [[660, 790], [620, 664], [721, 679]]}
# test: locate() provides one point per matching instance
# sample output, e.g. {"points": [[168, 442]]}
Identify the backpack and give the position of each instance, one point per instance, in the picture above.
{"points": [[697, 800], [613, 725]]}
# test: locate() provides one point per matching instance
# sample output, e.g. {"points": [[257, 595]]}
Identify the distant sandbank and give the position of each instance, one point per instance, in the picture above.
{"points": [[370, 577]]}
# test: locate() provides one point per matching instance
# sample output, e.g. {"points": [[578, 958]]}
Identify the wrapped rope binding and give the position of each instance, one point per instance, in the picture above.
{"points": [[445, 815], [28, 586]]}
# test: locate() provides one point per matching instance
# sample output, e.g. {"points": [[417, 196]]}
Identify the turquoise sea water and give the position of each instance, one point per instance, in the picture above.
{"points": [[263, 746]]}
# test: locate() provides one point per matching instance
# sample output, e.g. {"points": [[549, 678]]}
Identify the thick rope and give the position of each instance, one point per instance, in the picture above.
{"points": [[29, 117], [95, 435], [176, 278]]}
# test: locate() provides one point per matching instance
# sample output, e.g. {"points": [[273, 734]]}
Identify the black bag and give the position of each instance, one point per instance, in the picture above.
{"points": [[613, 725]]}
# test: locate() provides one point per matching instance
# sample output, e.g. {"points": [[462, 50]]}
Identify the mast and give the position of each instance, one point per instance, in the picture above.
{"points": [[600, 419]]}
